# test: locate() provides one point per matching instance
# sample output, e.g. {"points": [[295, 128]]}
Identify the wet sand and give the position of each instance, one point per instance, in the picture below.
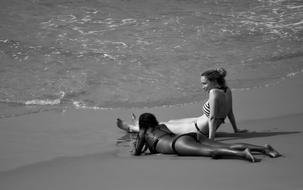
{"points": [[80, 150]]}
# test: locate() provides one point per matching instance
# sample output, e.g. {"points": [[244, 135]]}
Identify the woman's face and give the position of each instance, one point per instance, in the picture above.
{"points": [[206, 84]]}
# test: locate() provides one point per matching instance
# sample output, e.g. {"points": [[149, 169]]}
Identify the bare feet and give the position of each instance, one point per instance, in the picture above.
{"points": [[134, 119], [249, 156], [271, 151], [127, 127], [122, 125]]}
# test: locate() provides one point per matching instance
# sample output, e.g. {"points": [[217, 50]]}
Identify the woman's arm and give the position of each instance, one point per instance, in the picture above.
{"points": [[139, 143], [232, 120], [214, 104]]}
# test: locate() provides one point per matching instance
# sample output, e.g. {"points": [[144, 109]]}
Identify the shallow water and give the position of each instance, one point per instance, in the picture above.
{"points": [[98, 54]]}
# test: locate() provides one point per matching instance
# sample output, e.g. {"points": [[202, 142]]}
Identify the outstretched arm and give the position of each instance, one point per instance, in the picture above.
{"points": [[233, 122]]}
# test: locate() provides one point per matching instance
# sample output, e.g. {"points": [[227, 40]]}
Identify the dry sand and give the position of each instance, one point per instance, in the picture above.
{"points": [[52, 151]]}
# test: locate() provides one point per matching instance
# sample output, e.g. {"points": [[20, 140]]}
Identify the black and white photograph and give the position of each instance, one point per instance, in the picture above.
{"points": [[151, 94]]}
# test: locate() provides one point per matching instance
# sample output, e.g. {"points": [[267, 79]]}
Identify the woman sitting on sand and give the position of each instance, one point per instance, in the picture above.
{"points": [[215, 110], [159, 139]]}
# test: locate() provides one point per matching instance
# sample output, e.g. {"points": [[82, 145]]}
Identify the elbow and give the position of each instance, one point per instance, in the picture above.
{"points": [[212, 135], [213, 125], [136, 153]]}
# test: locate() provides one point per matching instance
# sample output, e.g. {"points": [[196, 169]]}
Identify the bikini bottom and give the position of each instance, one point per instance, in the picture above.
{"points": [[173, 144], [205, 130]]}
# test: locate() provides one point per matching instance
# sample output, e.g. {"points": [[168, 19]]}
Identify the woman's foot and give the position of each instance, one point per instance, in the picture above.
{"points": [[249, 156], [271, 151], [135, 120], [127, 127], [122, 125]]}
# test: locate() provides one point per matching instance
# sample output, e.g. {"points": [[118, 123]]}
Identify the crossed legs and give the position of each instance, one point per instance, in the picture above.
{"points": [[188, 146], [266, 149]]}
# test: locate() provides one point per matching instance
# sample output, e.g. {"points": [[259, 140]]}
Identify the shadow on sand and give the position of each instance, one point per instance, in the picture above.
{"points": [[126, 139], [223, 136]]}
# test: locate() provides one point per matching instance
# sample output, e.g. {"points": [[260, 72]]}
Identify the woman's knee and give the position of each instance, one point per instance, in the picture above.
{"points": [[181, 128], [215, 154]]}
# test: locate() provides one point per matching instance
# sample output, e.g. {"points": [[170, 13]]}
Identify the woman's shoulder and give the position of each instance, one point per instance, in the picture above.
{"points": [[220, 93], [216, 92], [222, 90]]}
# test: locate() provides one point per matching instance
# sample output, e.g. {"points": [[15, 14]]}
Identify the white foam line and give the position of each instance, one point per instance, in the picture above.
{"points": [[43, 102], [294, 7], [46, 101]]}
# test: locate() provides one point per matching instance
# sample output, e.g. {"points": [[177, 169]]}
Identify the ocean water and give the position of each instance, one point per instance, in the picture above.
{"points": [[102, 54]]}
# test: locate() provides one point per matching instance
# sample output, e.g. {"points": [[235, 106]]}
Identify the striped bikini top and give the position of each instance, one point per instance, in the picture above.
{"points": [[206, 106], [206, 109]]}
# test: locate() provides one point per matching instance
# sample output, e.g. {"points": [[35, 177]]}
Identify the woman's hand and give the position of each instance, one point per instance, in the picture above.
{"points": [[139, 143], [133, 145]]}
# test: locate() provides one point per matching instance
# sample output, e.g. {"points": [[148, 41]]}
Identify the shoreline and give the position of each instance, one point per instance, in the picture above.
{"points": [[255, 104], [69, 149]]}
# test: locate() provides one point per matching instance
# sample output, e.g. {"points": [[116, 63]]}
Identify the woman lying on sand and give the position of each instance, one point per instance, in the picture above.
{"points": [[215, 110], [159, 139]]}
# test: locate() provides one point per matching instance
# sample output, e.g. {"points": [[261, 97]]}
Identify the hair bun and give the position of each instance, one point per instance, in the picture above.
{"points": [[222, 71]]}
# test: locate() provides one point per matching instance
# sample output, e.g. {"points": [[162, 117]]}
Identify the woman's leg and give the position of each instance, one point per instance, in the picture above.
{"points": [[183, 126], [176, 128], [180, 126], [266, 149], [187, 145], [186, 120]]}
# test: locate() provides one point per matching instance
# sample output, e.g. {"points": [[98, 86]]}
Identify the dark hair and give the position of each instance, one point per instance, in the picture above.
{"points": [[147, 120], [217, 75]]}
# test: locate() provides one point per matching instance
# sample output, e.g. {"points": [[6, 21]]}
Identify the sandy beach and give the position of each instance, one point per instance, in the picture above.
{"points": [[82, 149], [70, 68]]}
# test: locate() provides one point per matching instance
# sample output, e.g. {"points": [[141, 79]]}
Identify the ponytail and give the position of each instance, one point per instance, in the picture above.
{"points": [[217, 75]]}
